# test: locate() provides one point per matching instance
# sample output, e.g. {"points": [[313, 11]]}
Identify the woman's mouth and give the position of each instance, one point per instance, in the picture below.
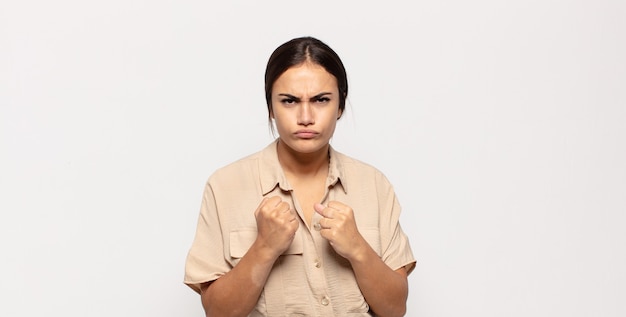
{"points": [[306, 134]]}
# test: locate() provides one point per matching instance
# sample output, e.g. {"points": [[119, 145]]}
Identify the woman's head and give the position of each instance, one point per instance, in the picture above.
{"points": [[298, 51]]}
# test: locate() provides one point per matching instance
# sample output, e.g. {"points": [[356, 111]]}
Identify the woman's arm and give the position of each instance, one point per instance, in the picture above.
{"points": [[237, 292], [384, 289]]}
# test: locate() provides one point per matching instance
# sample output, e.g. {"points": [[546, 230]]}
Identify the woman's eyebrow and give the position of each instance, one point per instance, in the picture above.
{"points": [[290, 97], [320, 95]]}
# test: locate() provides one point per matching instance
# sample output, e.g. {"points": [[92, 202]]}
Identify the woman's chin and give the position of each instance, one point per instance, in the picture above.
{"points": [[305, 146]]}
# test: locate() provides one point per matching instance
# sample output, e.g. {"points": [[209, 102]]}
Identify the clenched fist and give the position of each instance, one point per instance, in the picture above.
{"points": [[339, 228], [276, 224]]}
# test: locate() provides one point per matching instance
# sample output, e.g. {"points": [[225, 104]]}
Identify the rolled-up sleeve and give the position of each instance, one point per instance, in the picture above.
{"points": [[396, 251], [205, 260]]}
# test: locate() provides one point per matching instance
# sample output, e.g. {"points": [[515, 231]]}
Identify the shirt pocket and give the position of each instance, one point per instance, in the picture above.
{"points": [[242, 239], [372, 236]]}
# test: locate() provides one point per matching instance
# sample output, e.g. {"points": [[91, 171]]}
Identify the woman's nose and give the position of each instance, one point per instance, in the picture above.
{"points": [[305, 115]]}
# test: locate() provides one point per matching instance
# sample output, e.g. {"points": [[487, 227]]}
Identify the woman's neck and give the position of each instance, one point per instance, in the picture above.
{"points": [[302, 164]]}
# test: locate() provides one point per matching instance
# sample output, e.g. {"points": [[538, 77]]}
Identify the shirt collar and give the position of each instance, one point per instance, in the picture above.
{"points": [[272, 174], [336, 173]]}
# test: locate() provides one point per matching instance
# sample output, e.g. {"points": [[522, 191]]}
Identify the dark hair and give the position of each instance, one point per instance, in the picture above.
{"points": [[298, 51]]}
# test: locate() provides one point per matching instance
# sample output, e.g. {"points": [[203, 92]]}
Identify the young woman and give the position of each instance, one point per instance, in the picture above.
{"points": [[299, 229]]}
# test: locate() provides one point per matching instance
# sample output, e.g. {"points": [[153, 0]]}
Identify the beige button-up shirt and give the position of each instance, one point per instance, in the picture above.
{"points": [[310, 278]]}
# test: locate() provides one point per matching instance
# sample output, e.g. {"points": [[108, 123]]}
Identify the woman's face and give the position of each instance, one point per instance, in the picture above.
{"points": [[305, 107]]}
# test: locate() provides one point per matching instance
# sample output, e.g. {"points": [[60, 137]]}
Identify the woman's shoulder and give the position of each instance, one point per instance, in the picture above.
{"points": [[357, 167]]}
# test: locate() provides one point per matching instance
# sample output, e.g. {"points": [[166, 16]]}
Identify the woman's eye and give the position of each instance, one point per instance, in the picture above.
{"points": [[322, 100], [288, 101]]}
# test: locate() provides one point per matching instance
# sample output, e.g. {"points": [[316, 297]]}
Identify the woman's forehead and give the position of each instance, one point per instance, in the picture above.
{"points": [[305, 78]]}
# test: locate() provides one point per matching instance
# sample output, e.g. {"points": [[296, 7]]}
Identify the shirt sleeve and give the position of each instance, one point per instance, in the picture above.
{"points": [[396, 249], [205, 260]]}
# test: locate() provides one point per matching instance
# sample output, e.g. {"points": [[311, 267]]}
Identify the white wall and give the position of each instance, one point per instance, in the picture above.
{"points": [[501, 124]]}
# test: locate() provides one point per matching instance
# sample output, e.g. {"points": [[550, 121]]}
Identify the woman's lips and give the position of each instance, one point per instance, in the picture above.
{"points": [[306, 134]]}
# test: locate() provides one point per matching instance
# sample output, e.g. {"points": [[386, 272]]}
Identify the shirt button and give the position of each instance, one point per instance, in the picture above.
{"points": [[318, 264], [317, 226], [325, 301]]}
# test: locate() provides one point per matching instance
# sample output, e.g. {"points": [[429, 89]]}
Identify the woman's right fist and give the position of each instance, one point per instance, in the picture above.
{"points": [[277, 224]]}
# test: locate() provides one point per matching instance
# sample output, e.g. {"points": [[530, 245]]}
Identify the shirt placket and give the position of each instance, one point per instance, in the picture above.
{"points": [[317, 272], [314, 263], [317, 277]]}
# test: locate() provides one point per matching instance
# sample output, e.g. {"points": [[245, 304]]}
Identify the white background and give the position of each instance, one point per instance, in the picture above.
{"points": [[500, 123]]}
